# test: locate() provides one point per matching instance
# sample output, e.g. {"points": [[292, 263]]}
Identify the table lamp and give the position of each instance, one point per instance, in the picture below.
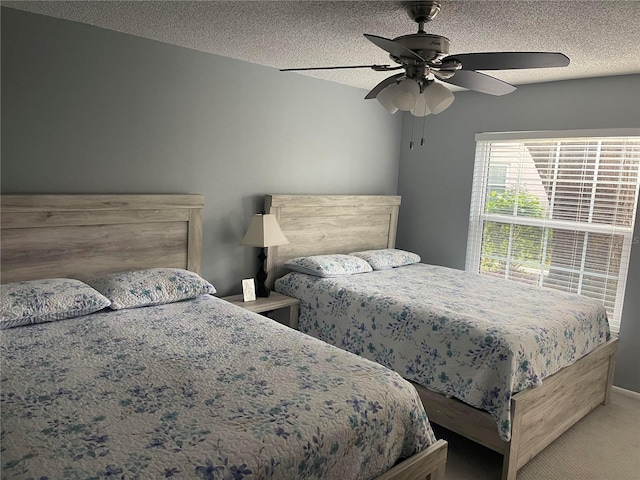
{"points": [[263, 232]]}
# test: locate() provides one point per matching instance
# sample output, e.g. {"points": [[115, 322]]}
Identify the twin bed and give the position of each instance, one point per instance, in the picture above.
{"points": [[509, 366], [164, 380]]}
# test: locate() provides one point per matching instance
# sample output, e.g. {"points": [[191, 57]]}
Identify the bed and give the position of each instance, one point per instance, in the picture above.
{"points": [[164, 388], [352, 311]]}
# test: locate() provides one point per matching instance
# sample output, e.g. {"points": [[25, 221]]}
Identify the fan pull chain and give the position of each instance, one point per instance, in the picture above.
{"points": [[413, 122], [424, 122]]}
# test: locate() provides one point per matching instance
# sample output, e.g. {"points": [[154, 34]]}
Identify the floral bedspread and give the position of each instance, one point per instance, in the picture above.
{"points": [[476, 338], [197, 389]]}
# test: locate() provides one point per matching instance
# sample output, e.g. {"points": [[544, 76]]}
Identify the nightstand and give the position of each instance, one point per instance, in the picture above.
{"points": [[275, 301]]}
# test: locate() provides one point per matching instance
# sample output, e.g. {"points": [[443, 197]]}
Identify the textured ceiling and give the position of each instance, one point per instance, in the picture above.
{"points": [[600, 37]]}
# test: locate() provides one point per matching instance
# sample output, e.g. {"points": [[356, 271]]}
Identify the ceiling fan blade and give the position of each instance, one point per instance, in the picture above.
{"points": [[509, 60], [394, 48], [377, 68], [382, 85], [479, 82]]}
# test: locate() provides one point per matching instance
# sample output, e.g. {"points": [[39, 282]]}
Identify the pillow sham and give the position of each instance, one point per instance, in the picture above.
{"points": [[387, 258], [328, 265], [152, 286], [39, 301]]}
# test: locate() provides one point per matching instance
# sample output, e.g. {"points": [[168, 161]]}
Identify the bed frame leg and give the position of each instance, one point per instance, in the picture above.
{"points": [[607, 392], [509, 467], [437, 474], [510, 460]]}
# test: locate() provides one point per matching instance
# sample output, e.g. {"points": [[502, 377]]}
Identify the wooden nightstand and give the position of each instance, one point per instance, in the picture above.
{"points": [[275, 301]]}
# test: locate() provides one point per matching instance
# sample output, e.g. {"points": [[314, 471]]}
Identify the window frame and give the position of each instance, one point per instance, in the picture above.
{"points": [[477, 216]]}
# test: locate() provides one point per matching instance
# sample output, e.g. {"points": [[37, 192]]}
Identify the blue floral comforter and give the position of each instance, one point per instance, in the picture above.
{"points": [[197, 389], [476, 338]]}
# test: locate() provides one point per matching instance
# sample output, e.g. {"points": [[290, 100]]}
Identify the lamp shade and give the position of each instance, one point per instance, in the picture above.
{"points": [[264, 231], [421, 109], [438, 97], [385, 97], [406, 94]]}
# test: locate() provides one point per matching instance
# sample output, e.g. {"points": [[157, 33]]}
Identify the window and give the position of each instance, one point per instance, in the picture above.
{"points": [[557, 209]]}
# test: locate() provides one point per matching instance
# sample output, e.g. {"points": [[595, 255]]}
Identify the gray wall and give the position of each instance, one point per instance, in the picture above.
{"points": [[435, 180], [88, 110]]}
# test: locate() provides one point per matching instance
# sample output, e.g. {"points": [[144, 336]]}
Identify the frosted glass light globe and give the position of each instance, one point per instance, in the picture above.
{"points": [[385, 97], [438, 97], [406, 94], [421, 109]]}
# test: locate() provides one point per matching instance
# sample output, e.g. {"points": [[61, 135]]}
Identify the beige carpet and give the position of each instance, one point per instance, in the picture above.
{"points": [[605, 445]]}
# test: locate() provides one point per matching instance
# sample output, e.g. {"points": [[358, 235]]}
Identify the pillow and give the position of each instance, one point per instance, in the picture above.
{"points": [[152, 286], [39, 301], [328, 265], [387, 258]]}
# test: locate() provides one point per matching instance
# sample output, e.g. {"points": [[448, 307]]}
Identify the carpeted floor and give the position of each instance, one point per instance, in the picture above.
{"points": [[605, 445]]}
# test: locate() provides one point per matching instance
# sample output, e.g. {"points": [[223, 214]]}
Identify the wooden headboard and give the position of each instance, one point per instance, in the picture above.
{"points": [[325, 224], [80, 236]]}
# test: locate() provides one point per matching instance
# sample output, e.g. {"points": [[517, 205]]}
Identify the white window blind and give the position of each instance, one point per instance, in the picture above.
{"points": [[557, 209]]}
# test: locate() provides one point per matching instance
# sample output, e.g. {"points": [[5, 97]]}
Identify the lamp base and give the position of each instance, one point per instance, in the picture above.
{"points": [[261, 277]]}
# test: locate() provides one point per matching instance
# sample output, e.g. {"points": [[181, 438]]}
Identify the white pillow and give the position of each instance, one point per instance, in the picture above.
{"points": [[153, 286], [387, 258], [328, 265], [39, 301]]}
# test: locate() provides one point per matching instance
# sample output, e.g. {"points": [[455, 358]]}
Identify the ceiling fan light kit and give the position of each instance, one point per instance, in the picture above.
{"points": [[425, 57], [420, 99]]}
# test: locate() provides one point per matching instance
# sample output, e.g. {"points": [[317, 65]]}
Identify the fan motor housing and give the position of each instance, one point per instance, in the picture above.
{"points": [[430, 47]]}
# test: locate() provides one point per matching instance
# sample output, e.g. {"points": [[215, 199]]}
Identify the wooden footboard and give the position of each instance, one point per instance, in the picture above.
{"points": [[542, 414], [426, 465], [539, 415]]}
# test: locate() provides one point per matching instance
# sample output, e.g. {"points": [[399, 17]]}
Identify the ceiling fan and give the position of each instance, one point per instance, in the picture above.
{"points": [[424, 57]]}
